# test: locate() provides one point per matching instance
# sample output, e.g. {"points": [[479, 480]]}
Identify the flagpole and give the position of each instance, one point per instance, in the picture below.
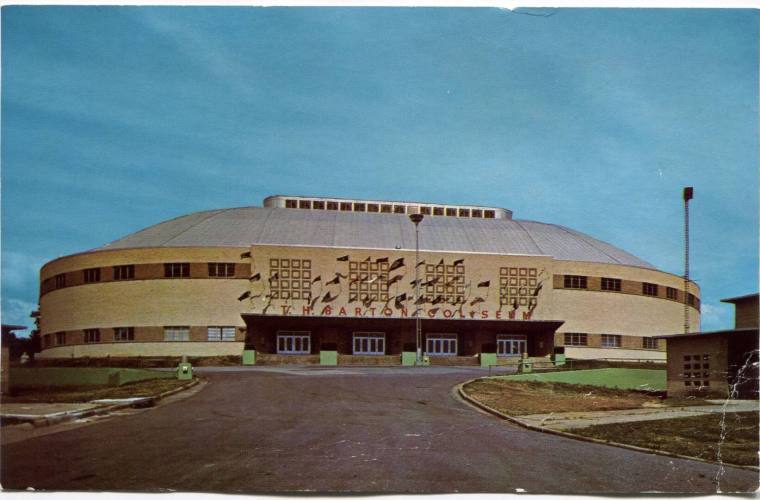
{"points": [[416, 219]]}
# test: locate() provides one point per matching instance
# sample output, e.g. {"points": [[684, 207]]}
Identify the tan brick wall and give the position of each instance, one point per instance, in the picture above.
{"points": [[151, 304], [713, 345], [747, 314], [145, 349]]}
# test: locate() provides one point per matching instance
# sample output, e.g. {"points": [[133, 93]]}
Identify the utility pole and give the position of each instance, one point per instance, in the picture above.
{"points": [[688, 194], [416, 219]]}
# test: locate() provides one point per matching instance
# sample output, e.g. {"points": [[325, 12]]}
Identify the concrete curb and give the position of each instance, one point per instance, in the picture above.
{"points": [[57, 418], [493, 411]]}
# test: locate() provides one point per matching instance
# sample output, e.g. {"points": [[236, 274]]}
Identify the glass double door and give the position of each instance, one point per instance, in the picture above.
{"points": [[511, 345], [369, 343], [294, 343], [441, 344]]}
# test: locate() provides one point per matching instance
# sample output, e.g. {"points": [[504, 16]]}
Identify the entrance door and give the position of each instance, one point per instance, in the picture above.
{"points": [[441, 344], [369, 343], [511, 345], [294, 343]]}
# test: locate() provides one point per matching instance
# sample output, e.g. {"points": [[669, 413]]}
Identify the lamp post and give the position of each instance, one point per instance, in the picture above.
{"points": [[416, 219], [688, 194]]}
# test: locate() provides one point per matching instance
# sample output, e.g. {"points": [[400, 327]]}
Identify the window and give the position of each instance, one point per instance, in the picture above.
{"points": [[91, 335], [123, 334], [60, 338], [649, 343], [464, 212], [441, 344], [425, 210], [304, 204], [369, 343], [177, 270], [176, 333], [221, 269], [610, 340], [92, 275], [611, 284], [575, 281], [696, 370], [477, 212], [451, 212], [489, 214], [318, 205], [345, 206], [291, 204], [221, 334], [60, 280], [47, 341], [294, 343], [671, 293], [692, 299], [332, 205], [399, 209], [386, 209], [437, 210], [124, 272], [576, 339], [360, 207], [373, 207], [649, 289], [511, 345]]}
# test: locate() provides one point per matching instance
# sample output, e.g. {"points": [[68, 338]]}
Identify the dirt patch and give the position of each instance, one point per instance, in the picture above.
{"points": [[691, 436], [528, 397], [88, 393]]}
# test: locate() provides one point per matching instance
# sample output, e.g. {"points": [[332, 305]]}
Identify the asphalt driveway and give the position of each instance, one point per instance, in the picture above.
{"points": [[384, 430]]}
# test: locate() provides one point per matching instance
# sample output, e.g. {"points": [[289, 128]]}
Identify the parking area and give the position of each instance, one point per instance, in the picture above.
{"points": [[338, 429]]}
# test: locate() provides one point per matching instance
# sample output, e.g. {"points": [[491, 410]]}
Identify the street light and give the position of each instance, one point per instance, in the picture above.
{"points": [[688, 194], [416, 219]]}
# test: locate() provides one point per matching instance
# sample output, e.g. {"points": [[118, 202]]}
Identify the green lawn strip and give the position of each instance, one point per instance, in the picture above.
{"points": [[524, 397], [514, 397], [621, 378], [83, 394], [690, 436]]}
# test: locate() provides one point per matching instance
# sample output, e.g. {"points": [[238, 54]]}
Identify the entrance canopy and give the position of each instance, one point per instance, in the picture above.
{"points": [[473, 335]]}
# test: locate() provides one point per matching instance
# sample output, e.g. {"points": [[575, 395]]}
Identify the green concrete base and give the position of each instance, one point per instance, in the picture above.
{"points": [[525, 366], [329, 358], [559, 359], [487, 359], [249, 357], [408, 358], [184, 371]]}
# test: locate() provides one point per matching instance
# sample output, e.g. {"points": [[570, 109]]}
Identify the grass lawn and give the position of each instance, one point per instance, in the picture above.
{"points": [[691, 436], [82, 394], [514, 397], [524, 397], [621, 378]]}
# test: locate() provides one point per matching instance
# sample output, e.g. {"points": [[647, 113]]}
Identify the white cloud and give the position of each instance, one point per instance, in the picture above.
{"points": [[716, 317]]}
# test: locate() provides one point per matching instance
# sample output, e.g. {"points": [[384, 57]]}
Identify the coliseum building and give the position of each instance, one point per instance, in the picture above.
{"points": [[303, 274]]}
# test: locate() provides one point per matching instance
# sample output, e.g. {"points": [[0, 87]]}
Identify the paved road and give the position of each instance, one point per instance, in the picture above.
{"points": [[390, 430]]}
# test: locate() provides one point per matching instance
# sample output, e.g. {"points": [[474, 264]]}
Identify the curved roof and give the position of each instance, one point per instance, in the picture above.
{"points": [[246, 226]]}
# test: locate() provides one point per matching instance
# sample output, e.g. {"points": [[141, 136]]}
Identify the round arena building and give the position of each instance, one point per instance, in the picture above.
{"points": [[300, 277]]}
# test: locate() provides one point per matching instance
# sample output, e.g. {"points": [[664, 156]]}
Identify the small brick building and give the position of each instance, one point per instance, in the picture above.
{"points": [[723, 362]]}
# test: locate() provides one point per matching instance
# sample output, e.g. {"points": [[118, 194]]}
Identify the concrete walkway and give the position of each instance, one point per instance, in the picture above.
{"points": [[42, 409], [577, 420]]}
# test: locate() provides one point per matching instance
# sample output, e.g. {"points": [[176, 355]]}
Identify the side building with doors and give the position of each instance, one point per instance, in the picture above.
{"points": [[722, 362]]}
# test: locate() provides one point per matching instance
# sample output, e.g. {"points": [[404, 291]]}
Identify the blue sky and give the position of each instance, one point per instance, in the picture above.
{"points": [[116, 118]]}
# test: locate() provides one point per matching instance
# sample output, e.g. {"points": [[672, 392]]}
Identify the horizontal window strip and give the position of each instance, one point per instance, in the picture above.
{"points": [[627, 287], [140, 334], [142, 272]]}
